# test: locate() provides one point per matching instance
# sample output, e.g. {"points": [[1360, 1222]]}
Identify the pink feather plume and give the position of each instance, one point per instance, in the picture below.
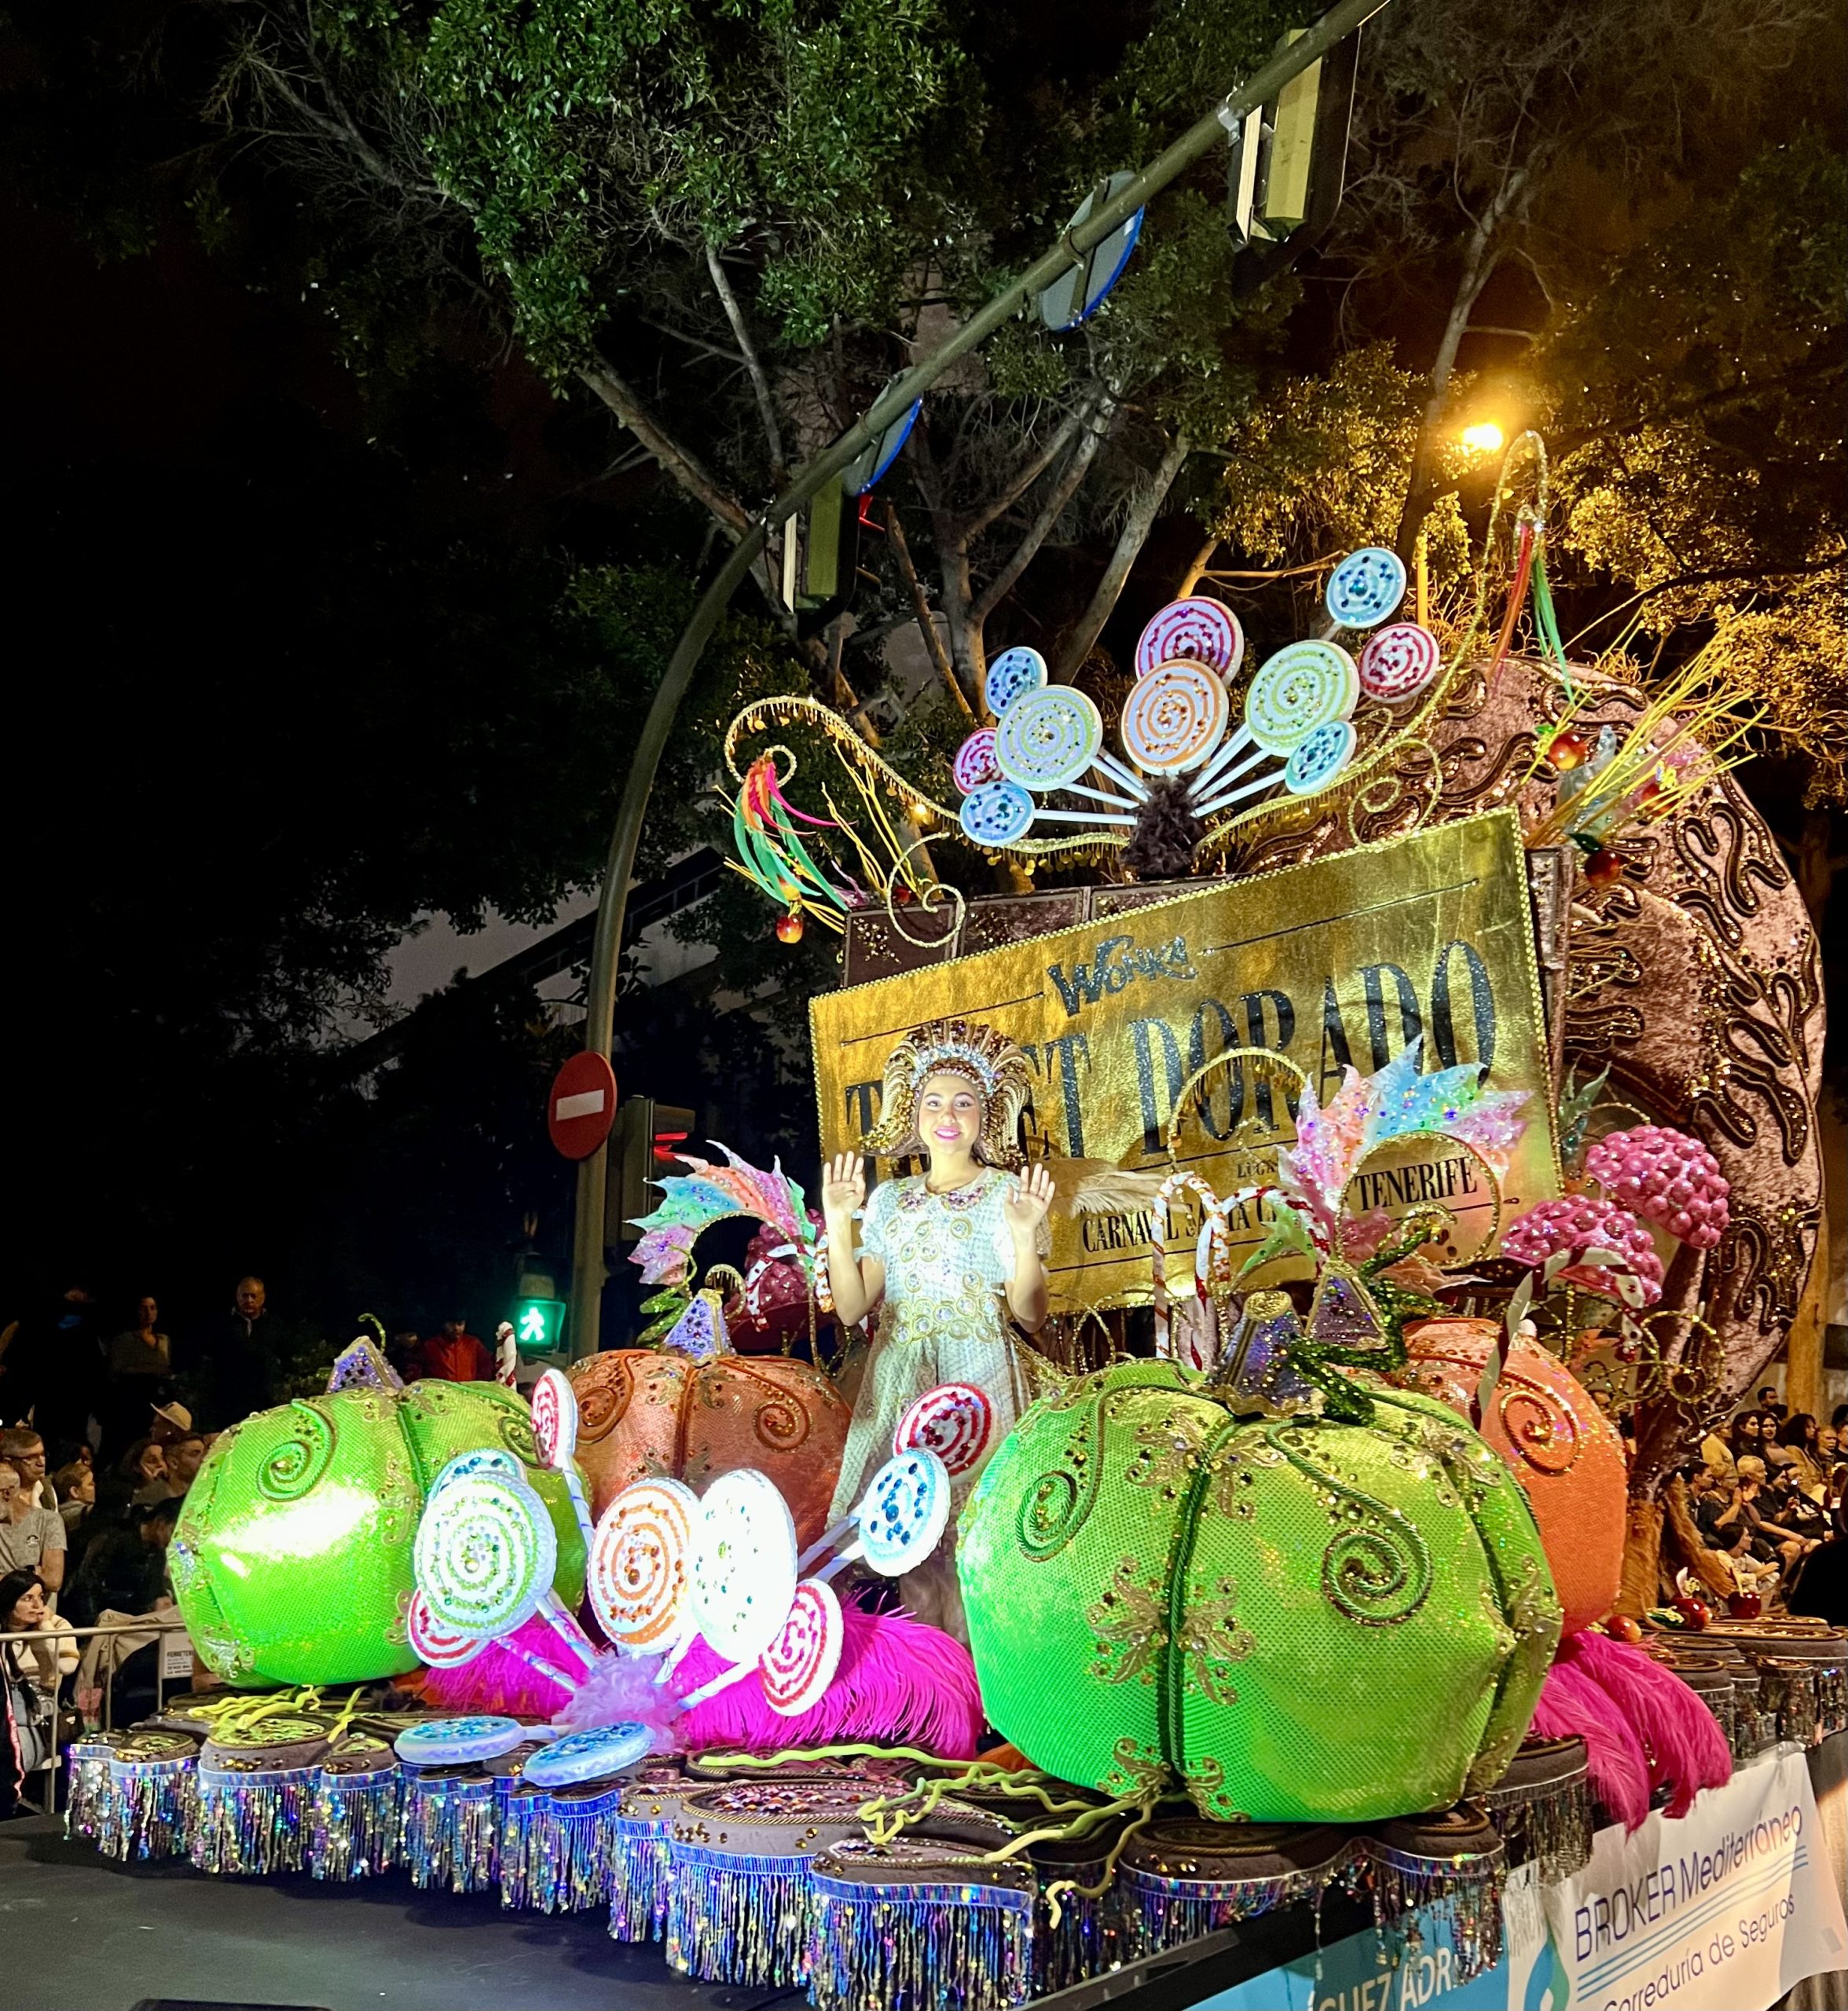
{"points": [[498, 1680], [900, 1683], [1572, 1705], [1681, 1738]]}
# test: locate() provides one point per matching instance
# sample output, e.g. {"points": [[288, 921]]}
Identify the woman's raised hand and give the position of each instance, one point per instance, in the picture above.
{"points": [[843, 1185], [1027, 1198]]}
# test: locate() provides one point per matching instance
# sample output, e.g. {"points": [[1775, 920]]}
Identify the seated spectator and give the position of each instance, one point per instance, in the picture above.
{"points": [[184, 1456], [1772, 1541], [1770, 1405], [455, 1355], [125, 1570], [1745, 1436], [74, 1486], [1792, 1506], [144, 1467], [32, 1538], [1800, 1449], [23, 1447], [29, 1673]]}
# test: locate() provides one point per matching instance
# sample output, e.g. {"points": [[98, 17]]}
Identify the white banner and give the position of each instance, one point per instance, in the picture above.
{"points": [[1723, 1910]]}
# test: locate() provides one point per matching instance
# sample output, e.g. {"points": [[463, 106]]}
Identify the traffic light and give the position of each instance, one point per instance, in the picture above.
{"points": [[643, 1148], [1288, 167], [539, 1325]]}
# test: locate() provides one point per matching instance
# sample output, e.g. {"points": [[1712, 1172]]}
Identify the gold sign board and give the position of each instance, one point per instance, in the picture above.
{"points": [[1347, 959]]}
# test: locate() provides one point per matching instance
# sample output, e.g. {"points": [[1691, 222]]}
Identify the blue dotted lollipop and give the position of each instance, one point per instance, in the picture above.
{"points": [[996, 814], [1022, 668], [1316, 762], [1365, 587]]}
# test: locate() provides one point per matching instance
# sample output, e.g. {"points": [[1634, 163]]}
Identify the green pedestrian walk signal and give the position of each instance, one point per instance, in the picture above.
{"points": [[539, 1325]]}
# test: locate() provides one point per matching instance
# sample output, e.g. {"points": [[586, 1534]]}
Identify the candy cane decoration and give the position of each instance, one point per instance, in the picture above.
{"points": [[1212, 1253]]}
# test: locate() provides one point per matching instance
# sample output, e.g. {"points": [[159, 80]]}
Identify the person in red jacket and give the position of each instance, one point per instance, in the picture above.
{"points": [[455, 1355]]}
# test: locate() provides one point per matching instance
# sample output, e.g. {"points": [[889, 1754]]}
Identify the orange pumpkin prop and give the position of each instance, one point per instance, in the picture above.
{"points": [[1561, 1446], [645, 1413]]}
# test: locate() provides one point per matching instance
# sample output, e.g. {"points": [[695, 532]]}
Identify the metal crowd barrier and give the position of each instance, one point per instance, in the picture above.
{"points": [[158, 1626]]}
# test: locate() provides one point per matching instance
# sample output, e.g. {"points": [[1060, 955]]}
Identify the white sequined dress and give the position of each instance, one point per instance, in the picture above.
{"points": [[949, 1259]]}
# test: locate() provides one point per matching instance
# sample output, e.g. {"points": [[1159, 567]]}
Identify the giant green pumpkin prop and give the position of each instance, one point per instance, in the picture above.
{"points": [[292, 1561], [1301, 1620]]}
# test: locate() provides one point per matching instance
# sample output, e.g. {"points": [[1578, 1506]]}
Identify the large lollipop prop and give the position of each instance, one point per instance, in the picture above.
{"points": [[1047, 738], [955, 1421], [1192, 631], [485, 1558], [636, 1571], [555, 1431], [800, 1661], [898, 1522], [741, 1574]]}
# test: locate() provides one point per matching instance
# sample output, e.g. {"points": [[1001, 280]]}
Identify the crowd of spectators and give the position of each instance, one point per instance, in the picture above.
{"points": [[1769, 1497], [103, 1428]]}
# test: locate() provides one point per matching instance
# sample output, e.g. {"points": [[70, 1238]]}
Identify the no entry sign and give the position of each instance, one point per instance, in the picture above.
{"points": [[582, 1105]]}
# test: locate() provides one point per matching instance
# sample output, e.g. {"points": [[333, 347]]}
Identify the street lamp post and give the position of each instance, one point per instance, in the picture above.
{"points": [[1205, 133]]}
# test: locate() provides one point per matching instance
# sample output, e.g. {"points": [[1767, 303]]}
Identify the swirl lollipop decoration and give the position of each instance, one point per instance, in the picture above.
{"points": [[1174, 717], [1194, 631], [743, 1574], [555, 1432], [801, 1660], [896, 1523], [435, 1645], [485, 1556], [1011, 675], [955, 1421], [639, 1561], [996, 814], [1365, 588], [1399, 661], [800, 1664], [975, 762], [1046, 739], [1315, 762]]}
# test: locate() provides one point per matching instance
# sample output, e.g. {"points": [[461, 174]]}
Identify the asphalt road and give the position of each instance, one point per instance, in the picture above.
{"points": [[82, 1932]]}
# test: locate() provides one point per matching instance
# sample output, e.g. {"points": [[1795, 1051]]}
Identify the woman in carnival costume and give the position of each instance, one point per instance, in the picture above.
{"points": [[947, 1256]]}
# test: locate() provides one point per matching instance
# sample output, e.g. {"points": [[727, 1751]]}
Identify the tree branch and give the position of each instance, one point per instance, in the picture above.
{"points": [[1479, 265], [1030, 474], [1097, 425], [760, 383], [1767, 571], [1147, 500], [921, 608], [682, 467]]}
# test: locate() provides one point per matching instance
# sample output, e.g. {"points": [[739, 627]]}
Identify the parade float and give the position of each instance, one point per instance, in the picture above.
{"points": [[1215, 1496]]}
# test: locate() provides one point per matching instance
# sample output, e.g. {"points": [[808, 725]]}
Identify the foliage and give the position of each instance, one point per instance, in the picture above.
{"points": [[1702, 404]]}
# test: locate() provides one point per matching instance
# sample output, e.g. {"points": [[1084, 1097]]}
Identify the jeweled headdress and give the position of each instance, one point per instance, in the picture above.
{"points": [[987, 1059]]}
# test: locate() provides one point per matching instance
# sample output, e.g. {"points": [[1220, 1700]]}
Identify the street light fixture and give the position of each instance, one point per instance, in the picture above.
{"points": [[1485, 437]]}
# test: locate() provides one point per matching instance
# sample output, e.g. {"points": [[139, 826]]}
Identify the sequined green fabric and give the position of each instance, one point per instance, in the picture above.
{"points": [[1302, 1620], [292, 1561]]}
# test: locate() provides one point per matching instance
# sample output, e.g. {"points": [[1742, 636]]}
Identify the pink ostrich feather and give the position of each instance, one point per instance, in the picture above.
{"points": [[1572, 1705], [497, 1680], [1680, 1737], [900, 1683]]}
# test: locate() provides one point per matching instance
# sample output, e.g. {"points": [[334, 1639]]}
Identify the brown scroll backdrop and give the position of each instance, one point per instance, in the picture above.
{"points": [[1697, 977]]}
